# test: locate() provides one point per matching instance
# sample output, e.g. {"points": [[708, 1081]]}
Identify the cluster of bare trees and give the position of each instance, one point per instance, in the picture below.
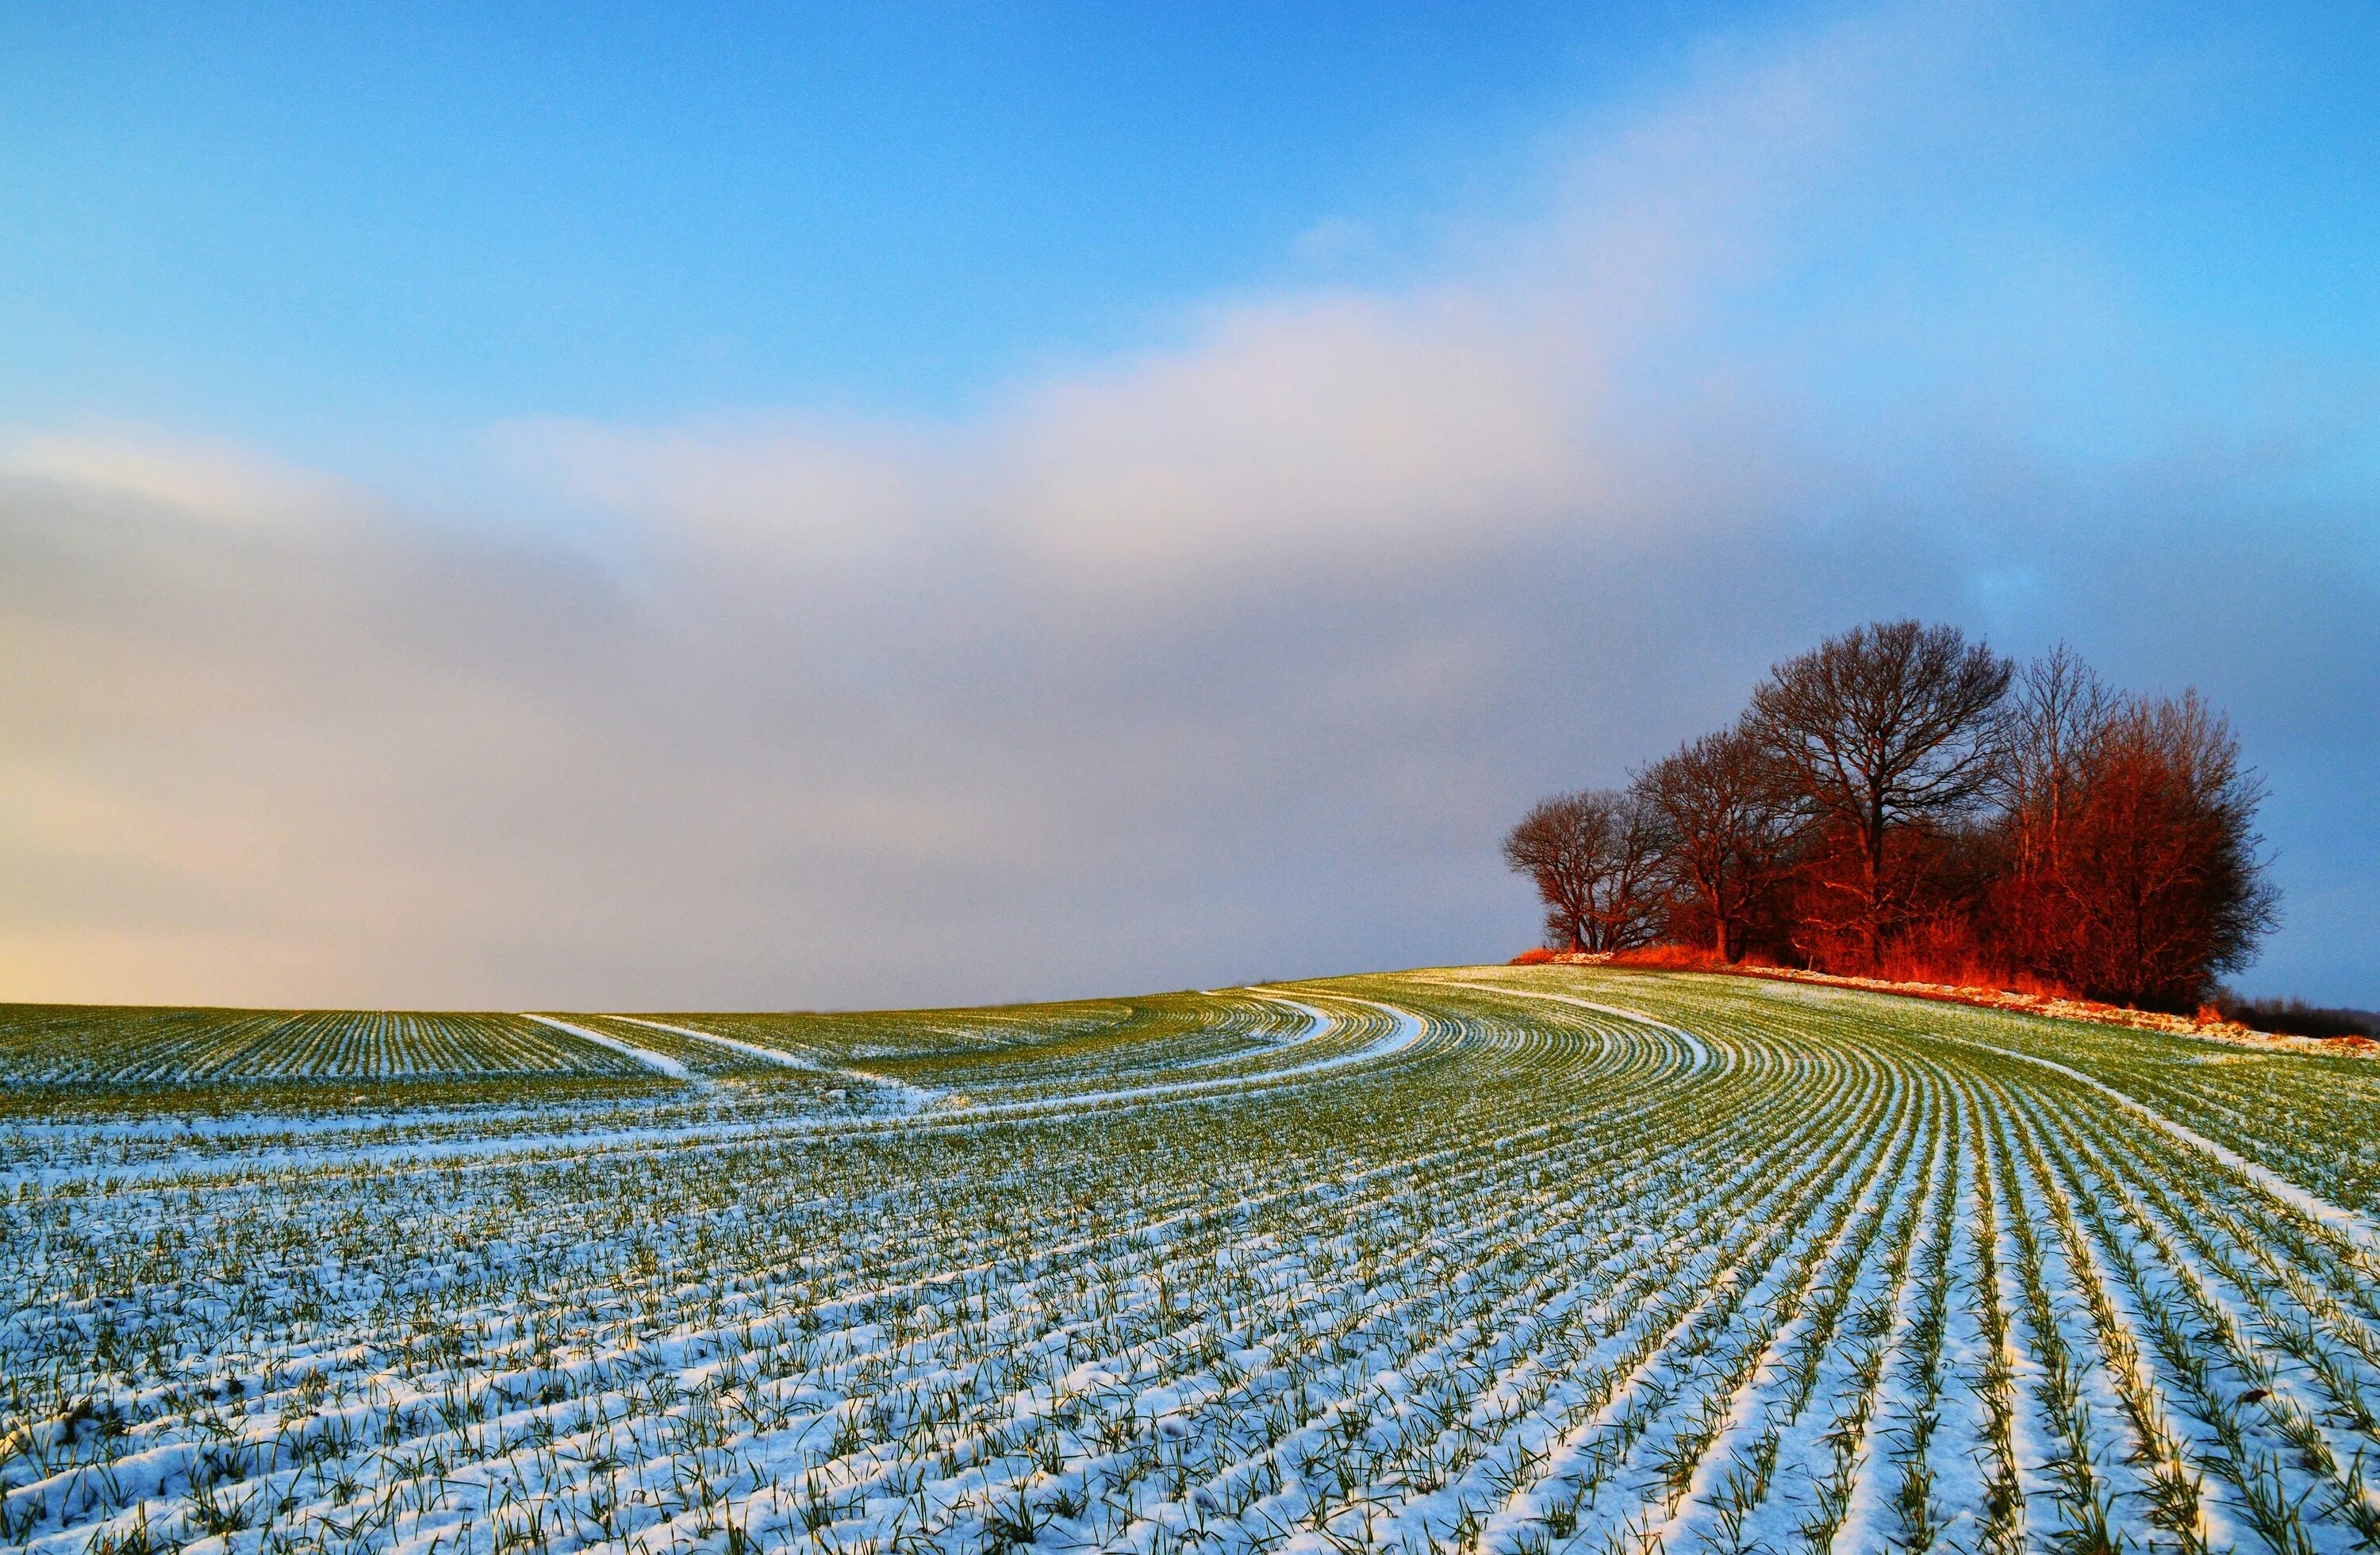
{"points": [[1900, 798]]}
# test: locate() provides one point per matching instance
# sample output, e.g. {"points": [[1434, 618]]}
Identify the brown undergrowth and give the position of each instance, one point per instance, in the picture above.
{"points": [[2022, 994]]}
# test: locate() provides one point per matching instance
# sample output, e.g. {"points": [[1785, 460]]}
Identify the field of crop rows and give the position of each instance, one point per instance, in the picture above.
{"points": [[1490, 1259], [51, 1044]]}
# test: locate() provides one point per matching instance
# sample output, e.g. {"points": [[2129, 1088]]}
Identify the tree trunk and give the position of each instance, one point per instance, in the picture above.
{"points": [[1872, 859]]}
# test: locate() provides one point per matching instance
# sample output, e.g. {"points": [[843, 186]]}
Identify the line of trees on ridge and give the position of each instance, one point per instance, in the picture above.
{"points": [[1901, 802]]}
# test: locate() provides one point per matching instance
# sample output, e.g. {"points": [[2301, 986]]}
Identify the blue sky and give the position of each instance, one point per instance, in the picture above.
{"points": [[441, 215], [603, 506]]}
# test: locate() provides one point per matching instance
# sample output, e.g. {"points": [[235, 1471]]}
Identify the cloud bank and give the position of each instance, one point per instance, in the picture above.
{"points": [[1227, 660]]}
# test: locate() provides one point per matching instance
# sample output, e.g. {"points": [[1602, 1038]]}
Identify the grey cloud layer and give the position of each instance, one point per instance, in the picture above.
{"points": [[1226, 661]]}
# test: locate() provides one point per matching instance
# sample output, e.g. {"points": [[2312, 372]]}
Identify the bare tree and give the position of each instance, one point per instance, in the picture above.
{"points": [[1594, 856], [2161, 884], [1557, 846], [2052, 718], [1630, 911], [1727, 824], [1884, 726]]}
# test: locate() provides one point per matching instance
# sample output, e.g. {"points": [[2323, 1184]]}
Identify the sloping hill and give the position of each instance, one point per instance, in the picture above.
{"points": [[1534, 1261]]}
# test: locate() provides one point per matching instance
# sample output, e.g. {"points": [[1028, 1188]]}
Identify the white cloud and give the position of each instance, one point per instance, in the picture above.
{"points": [[1283, 433], [205, 481], [769, 487], [1327, 429]]}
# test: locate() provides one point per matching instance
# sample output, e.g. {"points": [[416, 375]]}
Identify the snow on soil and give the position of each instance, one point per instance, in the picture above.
{"points": [[2271, 1182], [661, 1063], [773, 1055], [1541, 1262]]}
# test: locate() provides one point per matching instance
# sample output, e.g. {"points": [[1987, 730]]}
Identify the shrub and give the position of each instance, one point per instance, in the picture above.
{"points": [[2295, 1017]]}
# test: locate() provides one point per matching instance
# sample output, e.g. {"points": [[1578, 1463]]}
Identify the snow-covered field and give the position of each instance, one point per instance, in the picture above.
{"points": [[1522, 1260]]}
